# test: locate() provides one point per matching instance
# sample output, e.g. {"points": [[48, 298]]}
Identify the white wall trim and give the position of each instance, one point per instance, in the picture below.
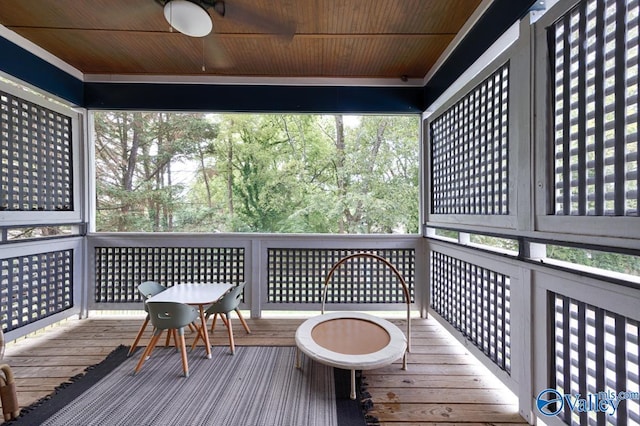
{"points": [[479, 66], [39, 52], [468, 25]]}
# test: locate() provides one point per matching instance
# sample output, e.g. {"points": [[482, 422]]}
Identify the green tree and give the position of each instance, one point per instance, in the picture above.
{"points": [[377, 174], [258, 173], [134, 156]]}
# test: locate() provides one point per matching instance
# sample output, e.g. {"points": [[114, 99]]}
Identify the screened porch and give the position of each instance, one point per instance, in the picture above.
{"points": [[528, 252]]}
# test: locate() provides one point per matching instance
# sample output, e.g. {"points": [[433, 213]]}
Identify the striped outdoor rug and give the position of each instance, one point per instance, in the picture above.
{"points": [[258, 386]]}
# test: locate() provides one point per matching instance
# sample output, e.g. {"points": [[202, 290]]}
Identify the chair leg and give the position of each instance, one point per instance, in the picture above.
{"points": [[213, 323], [244, 323], [230, 331], [157, 332], [183, 352], [139, 336], [148, 350], [200, 330], [224, 318], [166, 342]]}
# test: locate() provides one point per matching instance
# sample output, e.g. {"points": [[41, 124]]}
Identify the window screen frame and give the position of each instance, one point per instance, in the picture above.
{"points": [[75, 214], [516, 58], [612, 230]]}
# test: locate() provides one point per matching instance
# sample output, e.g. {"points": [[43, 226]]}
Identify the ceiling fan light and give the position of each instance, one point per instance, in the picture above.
{"points": [[188, 18]]}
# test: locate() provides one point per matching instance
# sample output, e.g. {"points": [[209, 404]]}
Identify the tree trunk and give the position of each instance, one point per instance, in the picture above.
{"points": [[230, 177], [342, 185], [169, 206], [130, 158], [205, 176]]}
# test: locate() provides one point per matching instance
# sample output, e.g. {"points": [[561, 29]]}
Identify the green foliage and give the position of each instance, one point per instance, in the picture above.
{"points": [[616, 262], [135, 152], [257, 173], [501, 243]]}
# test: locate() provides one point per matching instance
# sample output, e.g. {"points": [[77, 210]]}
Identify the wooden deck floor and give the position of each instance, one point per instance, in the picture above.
{"points": [[443, 384]]}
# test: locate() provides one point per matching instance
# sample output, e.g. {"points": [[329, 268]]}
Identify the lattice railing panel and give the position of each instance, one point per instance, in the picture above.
{"points": [[34, 287], [119, 270], [594, 351], [36, 172], [297, 276], [594, 61], [477, 302], [469, 151]]}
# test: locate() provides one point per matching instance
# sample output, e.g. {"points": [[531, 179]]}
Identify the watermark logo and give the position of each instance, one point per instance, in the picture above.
{"points": [[550, 402]]}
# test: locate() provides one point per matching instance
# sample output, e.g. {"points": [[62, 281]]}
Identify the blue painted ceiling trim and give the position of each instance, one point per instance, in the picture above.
{"points": [[26, 66], [499, 17], [253, 98]]}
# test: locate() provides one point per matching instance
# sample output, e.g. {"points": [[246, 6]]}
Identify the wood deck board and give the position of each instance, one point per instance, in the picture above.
{"points": [[409, 380], [421, 395], [442, 385], [458, 413]]}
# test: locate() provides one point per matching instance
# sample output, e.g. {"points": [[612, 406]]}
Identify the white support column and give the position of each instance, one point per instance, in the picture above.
{"points": [[423, 278], [522, 142], [86, 182], [522, 351], [254, 272]]}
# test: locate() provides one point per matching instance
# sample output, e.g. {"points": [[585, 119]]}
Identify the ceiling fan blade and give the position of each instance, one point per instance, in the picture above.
{"points": [[262, 22], [214, 54]]}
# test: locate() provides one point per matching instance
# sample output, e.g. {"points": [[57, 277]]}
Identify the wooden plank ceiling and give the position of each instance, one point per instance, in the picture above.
{"points": [[259, 38]]}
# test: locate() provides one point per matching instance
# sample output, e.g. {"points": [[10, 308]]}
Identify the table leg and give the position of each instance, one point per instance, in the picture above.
{"points": [[207, 344], [353, 385]]}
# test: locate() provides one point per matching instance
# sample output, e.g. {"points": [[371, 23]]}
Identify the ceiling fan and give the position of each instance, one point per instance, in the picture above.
{"points": [[191, 17]]}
